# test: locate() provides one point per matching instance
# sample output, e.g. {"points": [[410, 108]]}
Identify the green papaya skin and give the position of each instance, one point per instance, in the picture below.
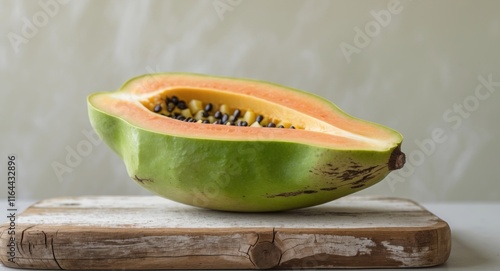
{"points": [[252, 175]]}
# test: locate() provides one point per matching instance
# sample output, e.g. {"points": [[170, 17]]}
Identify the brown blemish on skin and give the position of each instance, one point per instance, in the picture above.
{"points": [[294, 193], [353, 173], [354, 165], [142, 180], [363, 180], [349, 174], [328, 188]]}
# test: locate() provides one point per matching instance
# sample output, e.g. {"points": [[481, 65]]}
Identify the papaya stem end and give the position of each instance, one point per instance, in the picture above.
{"points": [[397, 159]]}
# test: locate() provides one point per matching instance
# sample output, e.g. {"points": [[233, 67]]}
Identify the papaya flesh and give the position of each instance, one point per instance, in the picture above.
{"points": [[228, 167]]}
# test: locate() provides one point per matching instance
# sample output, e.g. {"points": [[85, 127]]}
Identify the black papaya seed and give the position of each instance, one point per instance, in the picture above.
{"points": [[208, 107], [218, 115], [181, 105], [157, 108], [236, 114], [175, 100], [259, 118]]}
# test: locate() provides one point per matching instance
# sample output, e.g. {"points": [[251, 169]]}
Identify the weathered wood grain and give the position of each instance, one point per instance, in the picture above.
{"points": [[154, 233]]}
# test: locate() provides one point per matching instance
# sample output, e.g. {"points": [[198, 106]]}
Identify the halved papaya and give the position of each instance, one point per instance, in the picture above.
{"points": [[278, 148]]}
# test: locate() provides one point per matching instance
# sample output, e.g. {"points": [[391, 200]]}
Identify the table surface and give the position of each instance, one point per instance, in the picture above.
{"points": [[475, 234]]}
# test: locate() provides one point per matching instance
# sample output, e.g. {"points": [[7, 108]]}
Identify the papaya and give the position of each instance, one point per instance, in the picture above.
{"points": [[240, 145]]}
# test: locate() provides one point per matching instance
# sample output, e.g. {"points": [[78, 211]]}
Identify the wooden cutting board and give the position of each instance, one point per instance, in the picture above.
{"points": [[110, 232]]}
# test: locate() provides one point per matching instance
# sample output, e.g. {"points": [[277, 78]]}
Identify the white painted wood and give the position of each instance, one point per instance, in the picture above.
{"points": [[400, 254]]}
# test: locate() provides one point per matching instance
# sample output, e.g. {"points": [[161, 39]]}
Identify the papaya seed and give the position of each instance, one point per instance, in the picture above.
{"points": [[218, 115], [175, 100], [157, 108], [182, 105], [208, 107], [236, 113]]}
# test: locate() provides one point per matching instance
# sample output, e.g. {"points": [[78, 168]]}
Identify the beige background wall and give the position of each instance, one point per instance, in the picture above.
{"points": [[423, 71]]}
